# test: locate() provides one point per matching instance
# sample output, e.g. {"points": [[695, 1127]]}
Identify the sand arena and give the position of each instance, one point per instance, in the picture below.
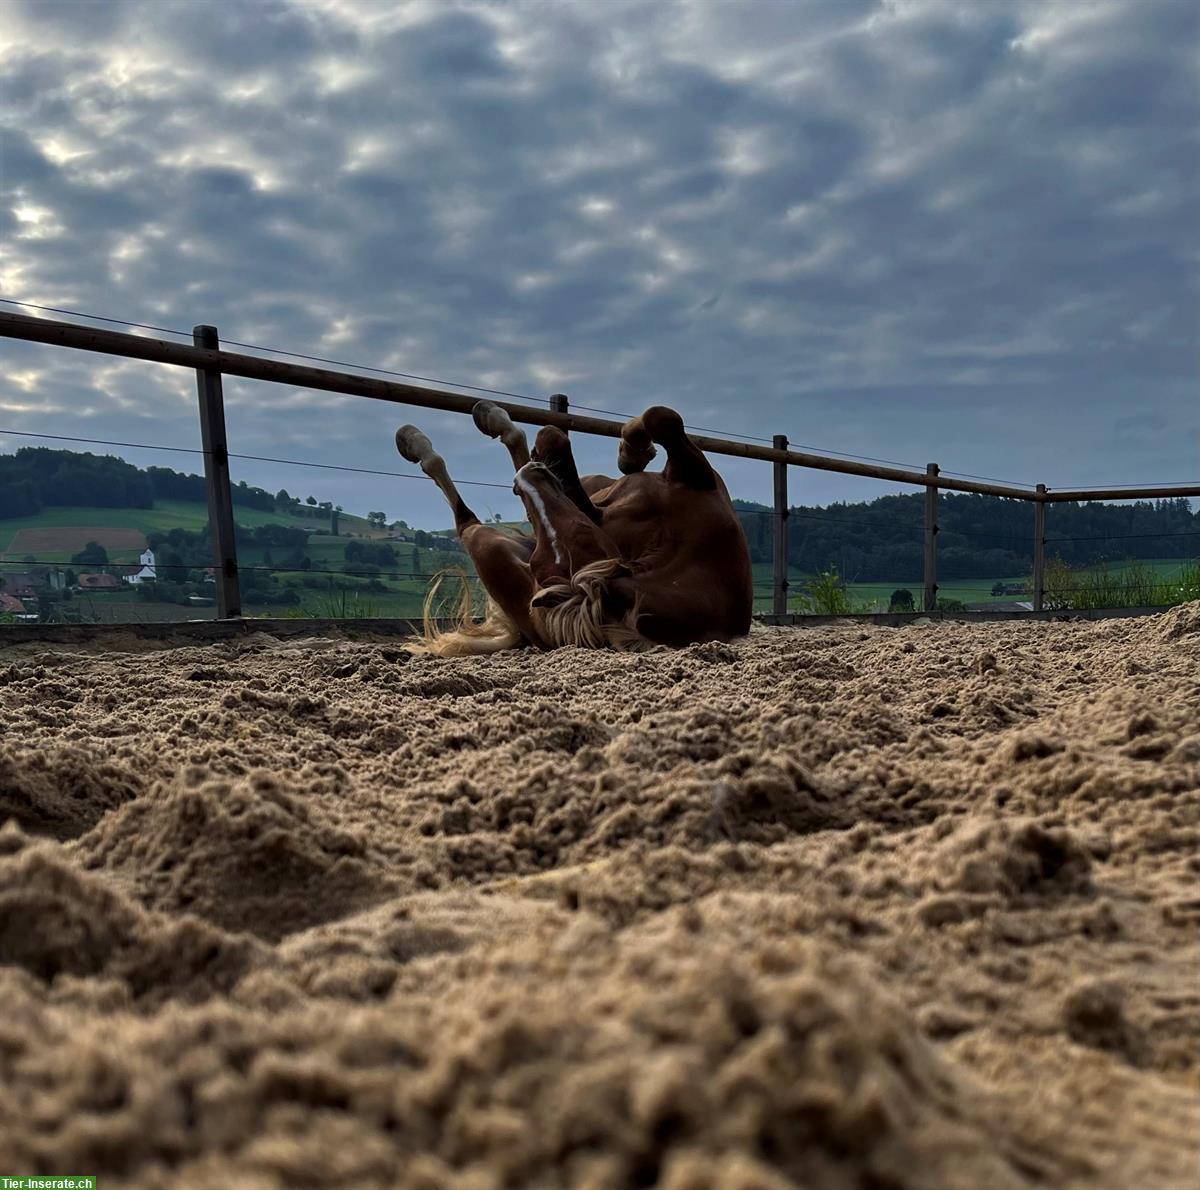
{"points": [[830, 907]]}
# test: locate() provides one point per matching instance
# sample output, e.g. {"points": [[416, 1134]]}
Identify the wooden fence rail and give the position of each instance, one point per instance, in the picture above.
{"points": [[210, 363]]}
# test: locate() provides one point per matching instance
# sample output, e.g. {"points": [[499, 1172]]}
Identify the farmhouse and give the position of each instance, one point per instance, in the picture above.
{"points": [[146, 572], [21, 586]]}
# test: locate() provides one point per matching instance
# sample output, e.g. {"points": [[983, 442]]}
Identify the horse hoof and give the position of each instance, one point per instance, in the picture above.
{"points": [[412, 444], [490, 419]]}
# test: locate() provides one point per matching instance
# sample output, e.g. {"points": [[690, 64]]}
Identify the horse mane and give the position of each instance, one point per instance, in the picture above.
{"points": [[568, 613], [573, 612]]}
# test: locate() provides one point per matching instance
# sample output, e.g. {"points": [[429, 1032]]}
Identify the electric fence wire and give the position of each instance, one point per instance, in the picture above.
{"points": [[856, 522], [1124, 536], [243, 568], [478, 483]]}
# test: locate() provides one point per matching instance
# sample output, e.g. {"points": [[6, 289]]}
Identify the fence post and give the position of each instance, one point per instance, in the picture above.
{"points": [[1039, 551], [216, 474], [931, 531], [559, 403], [779, 604]]}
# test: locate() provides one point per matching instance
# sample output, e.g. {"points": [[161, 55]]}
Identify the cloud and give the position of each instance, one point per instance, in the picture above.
{"points": [[916, 229]]}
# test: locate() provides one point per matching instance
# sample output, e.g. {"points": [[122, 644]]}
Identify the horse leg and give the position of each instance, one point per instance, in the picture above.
{"points": [[501, 560], [686, 464], [636, 449], [552, 448], [415, 446], [566, 538], [495, 423]]}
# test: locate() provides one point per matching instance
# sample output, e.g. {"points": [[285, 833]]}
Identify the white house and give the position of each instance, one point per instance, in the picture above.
{"points": [[147, 574]]}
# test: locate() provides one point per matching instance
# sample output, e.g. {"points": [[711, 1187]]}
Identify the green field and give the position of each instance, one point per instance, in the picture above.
{"points": [[323, 592], [875, 596], [335, 594], [165, 515], [878, 594]]}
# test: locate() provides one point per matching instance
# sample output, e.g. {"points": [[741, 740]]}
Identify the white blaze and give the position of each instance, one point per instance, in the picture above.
{"points": [[535, 497]]}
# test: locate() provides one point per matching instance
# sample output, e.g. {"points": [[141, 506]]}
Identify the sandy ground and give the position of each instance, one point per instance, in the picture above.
{"points": [[831, 907]]}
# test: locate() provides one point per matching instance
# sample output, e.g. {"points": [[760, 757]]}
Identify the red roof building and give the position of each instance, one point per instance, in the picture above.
{"points": [[98, 582]]}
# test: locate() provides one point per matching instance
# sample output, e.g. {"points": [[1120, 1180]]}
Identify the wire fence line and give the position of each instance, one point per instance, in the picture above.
{"points": [[1124, 536], [209, 357], [479, 483], [522, 397], [792, 512], [817, 517]]}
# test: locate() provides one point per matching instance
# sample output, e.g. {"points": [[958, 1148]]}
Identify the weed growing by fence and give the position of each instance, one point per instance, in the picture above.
{"points": [[825, 595], [1135, 585]]}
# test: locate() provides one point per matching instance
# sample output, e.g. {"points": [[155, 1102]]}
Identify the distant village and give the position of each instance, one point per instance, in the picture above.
{"points": [[20, 593], [23, 593]]}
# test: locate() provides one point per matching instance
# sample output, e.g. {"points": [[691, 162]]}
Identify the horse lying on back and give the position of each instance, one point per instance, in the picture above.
{"points": [[649, 558]]}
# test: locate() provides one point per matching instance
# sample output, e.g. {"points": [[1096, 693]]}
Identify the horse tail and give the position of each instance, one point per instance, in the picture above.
{"points": [[466, 635]]}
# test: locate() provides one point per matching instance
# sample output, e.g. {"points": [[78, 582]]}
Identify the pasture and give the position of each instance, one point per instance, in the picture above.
{"points": [[836, 907], [70, 539], [164, 516]]}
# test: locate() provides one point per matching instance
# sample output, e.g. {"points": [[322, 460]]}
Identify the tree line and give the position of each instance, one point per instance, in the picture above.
{"points": [[38, 477], [978, 536], [877, 540]]}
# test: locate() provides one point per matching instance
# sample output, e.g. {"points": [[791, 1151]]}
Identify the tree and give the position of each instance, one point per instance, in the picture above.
{"points": [[311, 500], [378, 519], [997, 588], [421, 538], [92, 554], [901, 601]]}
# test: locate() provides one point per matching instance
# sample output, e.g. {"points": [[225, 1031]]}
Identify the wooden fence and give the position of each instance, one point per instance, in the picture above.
{"points": [[211, 363]]}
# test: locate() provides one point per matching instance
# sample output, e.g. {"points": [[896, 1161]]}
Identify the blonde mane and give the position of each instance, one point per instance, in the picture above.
{"points": [[572, 613], [569, 613]]}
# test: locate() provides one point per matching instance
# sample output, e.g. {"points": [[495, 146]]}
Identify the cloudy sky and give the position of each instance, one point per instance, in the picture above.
{"points": [[960, 231]]}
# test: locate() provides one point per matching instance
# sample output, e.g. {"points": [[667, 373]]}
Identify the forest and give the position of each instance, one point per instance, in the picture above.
{"points": [[978, 536], [37, 477]]}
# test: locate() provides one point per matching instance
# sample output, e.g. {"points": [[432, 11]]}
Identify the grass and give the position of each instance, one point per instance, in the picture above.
{"points": [[1155, 582], [165, 515], [1135, 585], [193, 516]]}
